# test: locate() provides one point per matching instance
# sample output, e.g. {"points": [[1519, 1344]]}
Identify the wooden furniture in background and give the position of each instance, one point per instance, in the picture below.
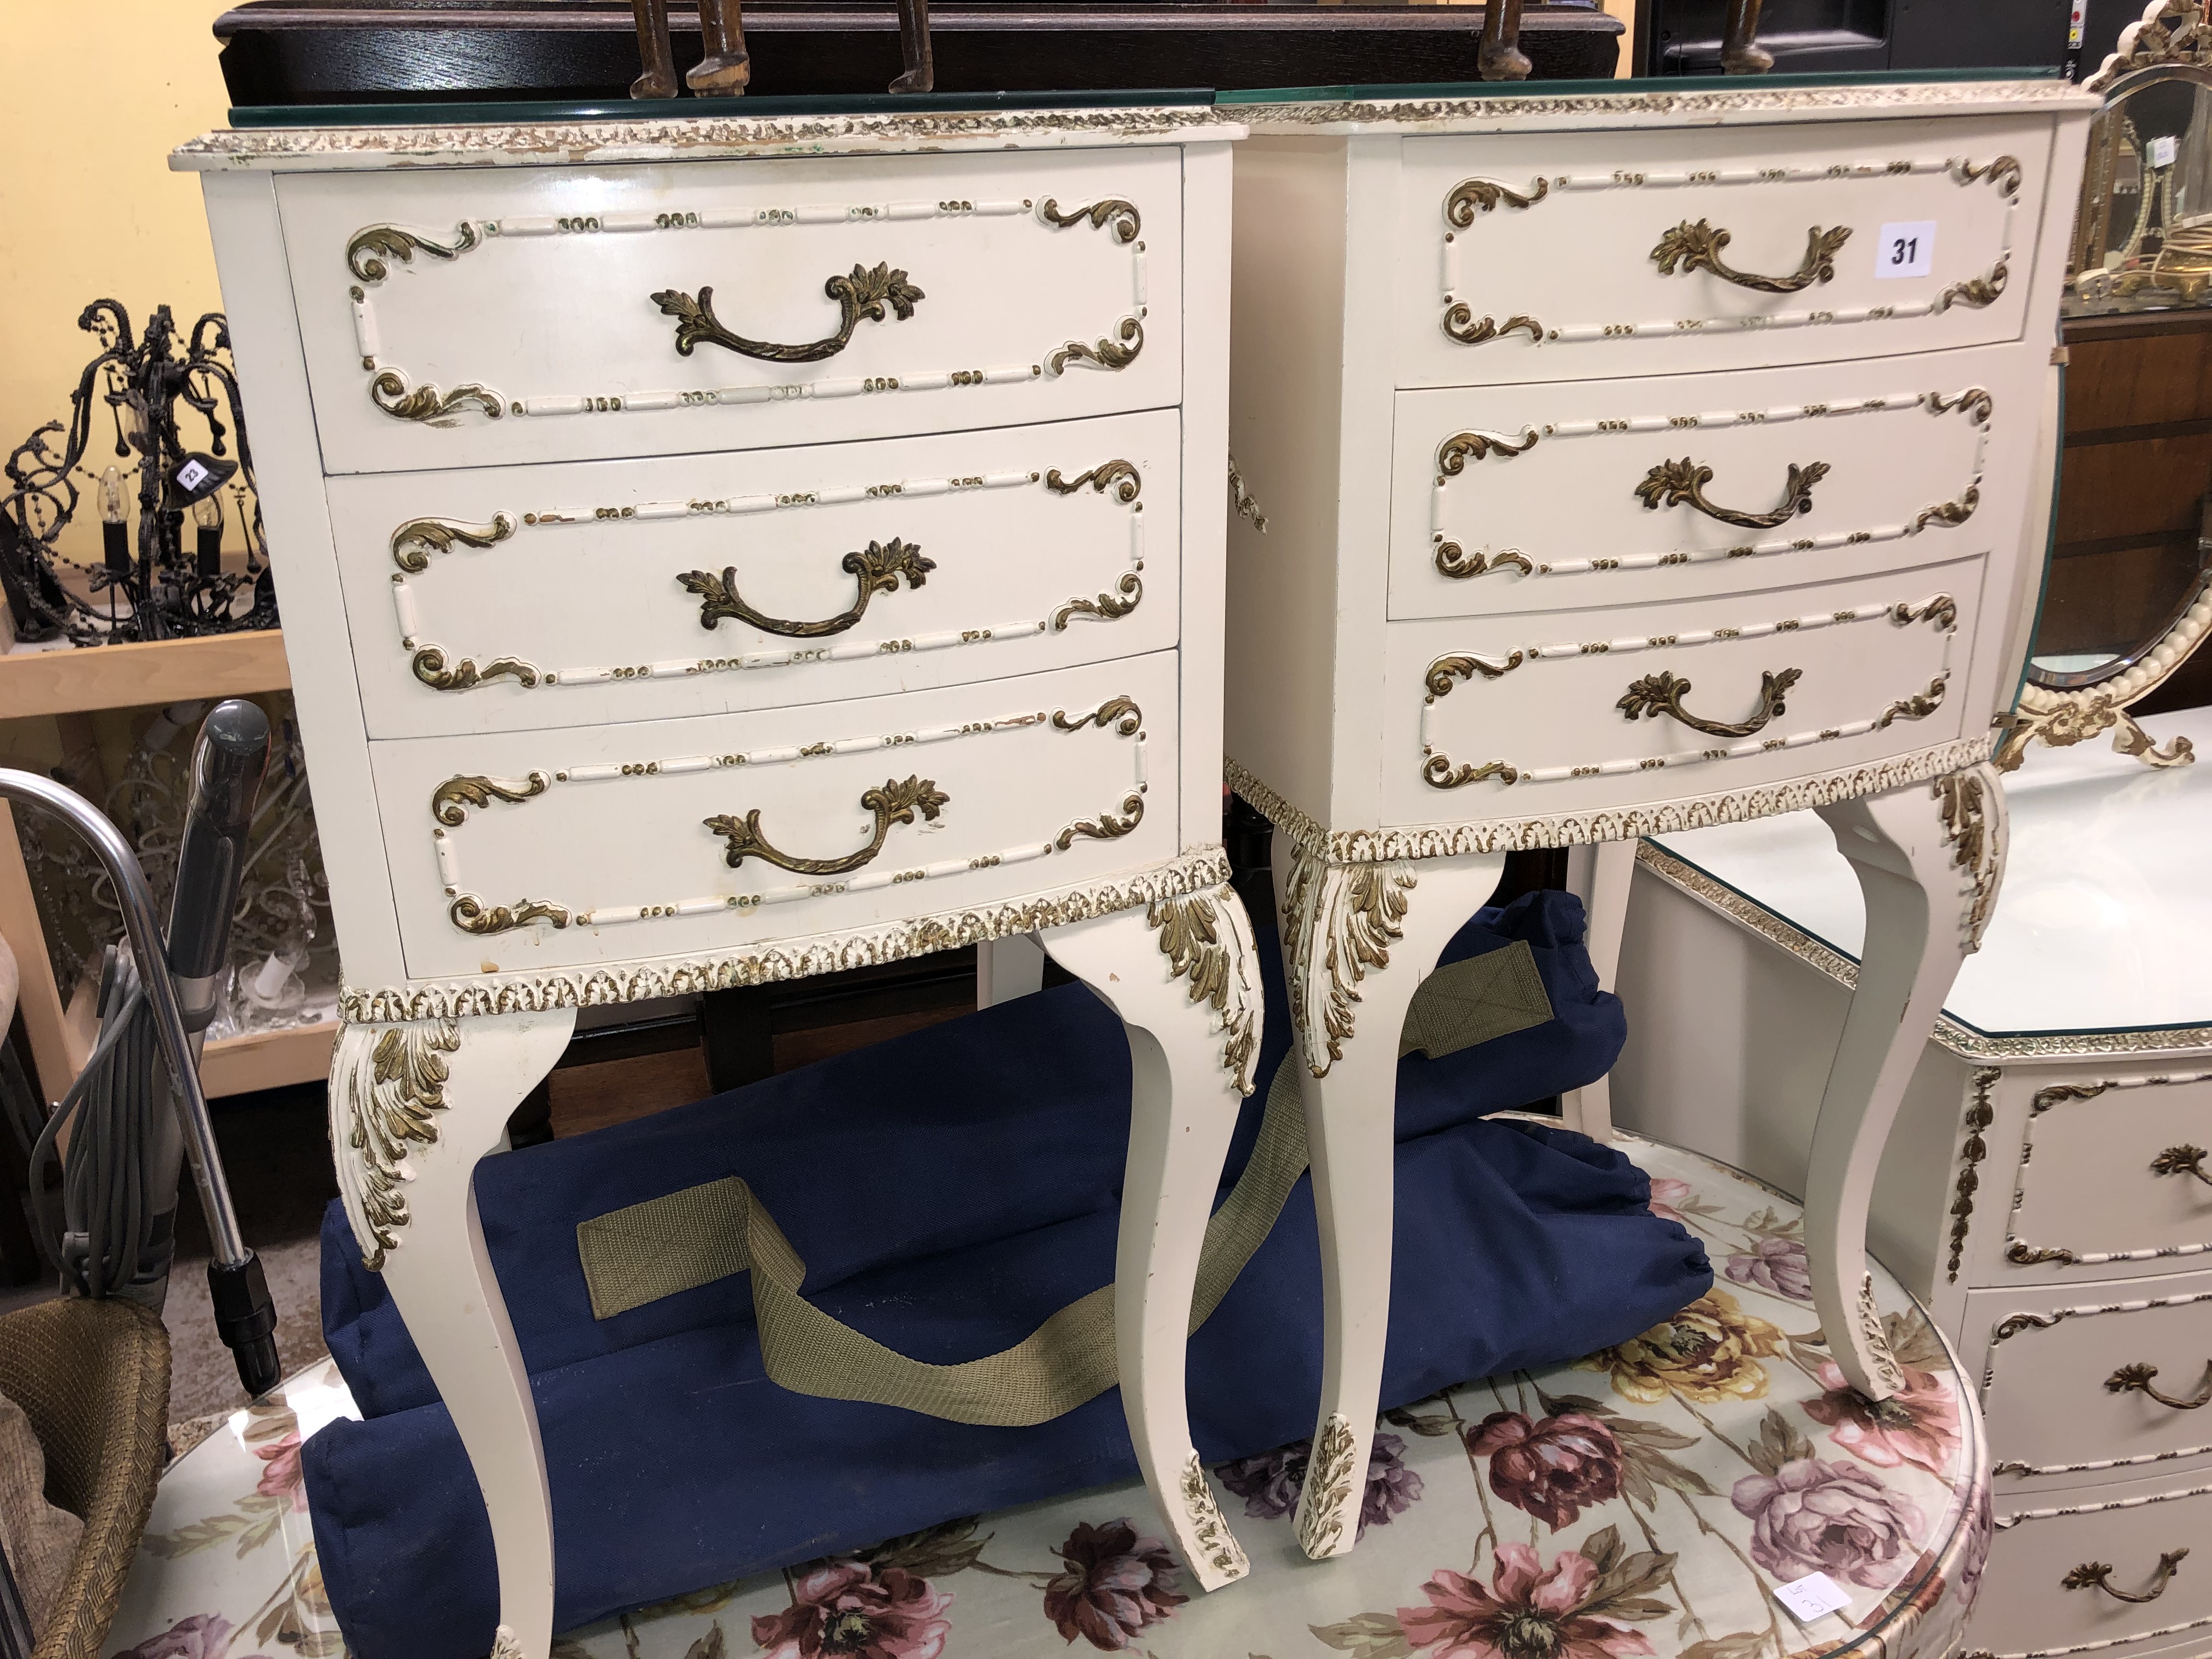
{"points": [[65, 683]]}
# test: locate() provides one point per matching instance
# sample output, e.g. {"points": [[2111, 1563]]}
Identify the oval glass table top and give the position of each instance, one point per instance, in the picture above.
{"points": [[2100, 922], [1643, 1501]]}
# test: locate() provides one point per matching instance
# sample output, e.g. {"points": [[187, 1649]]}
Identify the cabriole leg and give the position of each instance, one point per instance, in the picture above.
{"points": [[1600, 876], [1357, 941], [1183, 977], [1928, 858], [413, 1108]]}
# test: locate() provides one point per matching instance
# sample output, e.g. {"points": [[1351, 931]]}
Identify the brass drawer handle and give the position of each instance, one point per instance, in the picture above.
{"points": [[2137, 1379], [1663, 693], [2099, 1573], [2182, 1160], [1698, 248], [863, 293], [879, 568], [894, 803], [1675, 483]]}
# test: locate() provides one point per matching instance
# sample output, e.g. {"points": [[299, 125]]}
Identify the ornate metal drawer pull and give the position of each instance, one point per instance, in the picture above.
{"points": [[1675, 483], [863, 293], [878, 567], [2138, 1379], [894, 803], [1698, 248], [2100, 1572], [2182, 1160], [1664, 691]]}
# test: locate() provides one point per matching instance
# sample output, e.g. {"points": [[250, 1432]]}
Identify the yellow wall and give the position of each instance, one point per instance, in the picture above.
{"points": [[99, 96]]}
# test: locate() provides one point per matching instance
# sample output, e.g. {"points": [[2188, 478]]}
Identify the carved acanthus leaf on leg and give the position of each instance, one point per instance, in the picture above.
{"points": [[1222, 1551], [393, 1083], [1327, 1500], [1341, 921], [1205, 941]]}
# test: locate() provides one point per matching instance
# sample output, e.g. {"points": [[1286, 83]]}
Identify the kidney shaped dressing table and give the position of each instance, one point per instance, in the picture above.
{"points": [[720, 549], [1630, 459]]}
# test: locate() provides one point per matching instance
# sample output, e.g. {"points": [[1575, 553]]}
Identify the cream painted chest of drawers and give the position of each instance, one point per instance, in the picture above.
{"points": [[1614, 462], [2045, 1192], [718, 551]]}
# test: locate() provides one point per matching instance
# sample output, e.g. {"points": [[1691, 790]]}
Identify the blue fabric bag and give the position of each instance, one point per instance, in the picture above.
{"points": [[948, 1191]]}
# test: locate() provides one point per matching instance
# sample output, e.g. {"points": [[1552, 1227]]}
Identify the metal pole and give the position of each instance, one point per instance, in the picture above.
{"points": [[141, 922]]}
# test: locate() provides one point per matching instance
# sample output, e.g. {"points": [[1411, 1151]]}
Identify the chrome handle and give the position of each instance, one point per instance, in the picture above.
{"points": [[2100, 1572], [2137, 1379], [1662, 693], [1678, 484], [878, 568], [894, 803], [1698, 248], [865, 293]]}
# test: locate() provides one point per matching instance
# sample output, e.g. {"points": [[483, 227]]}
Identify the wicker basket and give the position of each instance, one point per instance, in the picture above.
{"points": [[93, 1379]]}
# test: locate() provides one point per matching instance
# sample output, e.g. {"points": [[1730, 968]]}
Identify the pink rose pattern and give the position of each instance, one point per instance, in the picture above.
{"points": [[1836, 1511]]}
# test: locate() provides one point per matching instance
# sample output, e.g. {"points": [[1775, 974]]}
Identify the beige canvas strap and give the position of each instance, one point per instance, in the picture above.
{"points": [[643, 1252]]}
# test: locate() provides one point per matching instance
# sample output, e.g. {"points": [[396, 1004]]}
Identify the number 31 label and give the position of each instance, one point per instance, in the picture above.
{"points": [[1906, 250]]}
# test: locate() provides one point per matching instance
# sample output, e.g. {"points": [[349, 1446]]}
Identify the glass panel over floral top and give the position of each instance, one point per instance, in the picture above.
{"points": [[1646, 1500]]}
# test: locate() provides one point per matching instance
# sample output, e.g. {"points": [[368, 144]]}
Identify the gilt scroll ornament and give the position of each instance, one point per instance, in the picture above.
{"points": [[1107, 607], [1339, 920], [1121, 712], [414, 542], [861, 293], [1471, 196], [1120, 476], [1121, 216], [392, 1093], [1329, 1492], [430, 668], [877, 568], [1971, 804], [450, 800], [1678, 484], [1118, 350], [391, 392], [1207, 949], [472, 915], [368, 251], [1662, 693], [895, 802], [1690, 247], [1215, 1541]]}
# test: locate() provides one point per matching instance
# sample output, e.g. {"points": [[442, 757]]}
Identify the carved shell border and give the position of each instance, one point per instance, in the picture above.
{"points": [[590, 986], [1505, 834]]}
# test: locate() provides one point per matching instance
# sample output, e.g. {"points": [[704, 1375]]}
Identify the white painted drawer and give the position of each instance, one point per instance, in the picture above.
{"points": [[2055, 1420], [2025, 1609], [1539, 257], [2103, 1187], [1619, 492], [1530, 716], [512, 316], [595, 843], [511, 597]]}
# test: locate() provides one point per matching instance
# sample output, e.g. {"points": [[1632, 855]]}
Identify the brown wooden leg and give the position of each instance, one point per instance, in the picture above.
{"points": [[659, 80], [921, 74], [1502, 58], [1740, 52], [726, 69]]}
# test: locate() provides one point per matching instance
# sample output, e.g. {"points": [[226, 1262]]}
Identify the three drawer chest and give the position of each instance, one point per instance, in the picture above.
{"points": [[1627, 460], [720, 549]]}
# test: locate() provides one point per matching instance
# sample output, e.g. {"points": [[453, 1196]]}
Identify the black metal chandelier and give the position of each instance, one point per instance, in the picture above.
{"points": [[158, 592]]}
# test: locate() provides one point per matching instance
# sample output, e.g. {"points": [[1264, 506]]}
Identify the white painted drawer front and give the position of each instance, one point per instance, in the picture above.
{"points": [[1618, 492], [539, 850], [512, 598], [1539, 256], [1529, 716], [513, 316], [2083, 1386], [2113, 1176], [2026, 1607]]}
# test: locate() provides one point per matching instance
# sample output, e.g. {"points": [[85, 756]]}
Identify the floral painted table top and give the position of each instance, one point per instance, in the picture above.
{"points": [[1646, 1500]]}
